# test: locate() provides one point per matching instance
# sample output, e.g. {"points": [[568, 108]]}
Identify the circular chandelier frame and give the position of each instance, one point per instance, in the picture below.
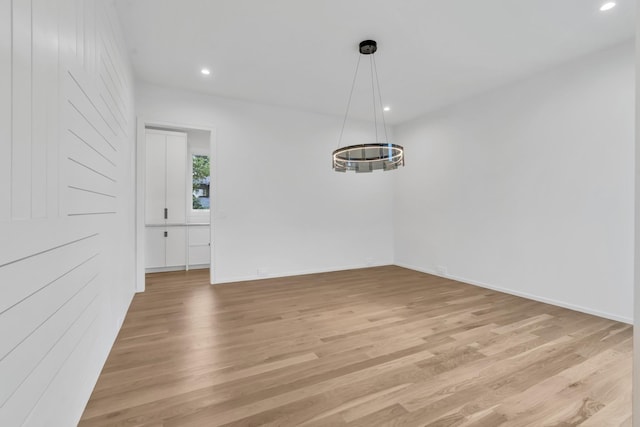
{"points": [[368, 157]]}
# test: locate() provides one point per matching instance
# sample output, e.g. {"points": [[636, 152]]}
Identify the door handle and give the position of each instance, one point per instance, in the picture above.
{"points": [[166, 234], [166, 213]]}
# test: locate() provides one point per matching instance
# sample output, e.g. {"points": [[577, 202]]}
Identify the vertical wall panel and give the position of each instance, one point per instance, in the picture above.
{"points": [[90, 37], [21, 123], [41, 91], [66, 29], [5, 109], [65, 212], [79, 31], [53, 106]]}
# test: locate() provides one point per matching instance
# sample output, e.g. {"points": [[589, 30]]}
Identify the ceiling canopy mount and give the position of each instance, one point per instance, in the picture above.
{"points": [[368, 47]]}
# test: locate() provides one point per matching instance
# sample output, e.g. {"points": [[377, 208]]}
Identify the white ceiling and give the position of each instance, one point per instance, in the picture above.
{"points": [[302, 53]]}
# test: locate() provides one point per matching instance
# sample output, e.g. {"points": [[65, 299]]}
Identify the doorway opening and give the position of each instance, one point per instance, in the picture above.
{"points": [[175, 199]]}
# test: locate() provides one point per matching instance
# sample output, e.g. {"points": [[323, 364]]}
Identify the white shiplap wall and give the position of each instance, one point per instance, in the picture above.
{"points": [[66, 204]]}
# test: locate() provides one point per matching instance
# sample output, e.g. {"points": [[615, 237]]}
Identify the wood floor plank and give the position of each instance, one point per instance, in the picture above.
{"points": [[382, 346]]}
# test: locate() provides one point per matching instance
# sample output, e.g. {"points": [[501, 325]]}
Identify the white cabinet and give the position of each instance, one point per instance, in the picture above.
{"points": [[199, 248], [165, 247], [165, 177], [155, 247], [176, 246], [155, 178], [176, 199], [165, 199]]}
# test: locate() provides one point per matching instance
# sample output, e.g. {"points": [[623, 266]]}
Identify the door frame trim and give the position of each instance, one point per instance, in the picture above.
{"points": [[142, 122]]}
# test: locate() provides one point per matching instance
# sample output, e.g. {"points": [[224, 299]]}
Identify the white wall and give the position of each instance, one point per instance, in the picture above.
{"points": [[66, 220], [636, 290], [278, 205], [529, 189], [198, 140]]}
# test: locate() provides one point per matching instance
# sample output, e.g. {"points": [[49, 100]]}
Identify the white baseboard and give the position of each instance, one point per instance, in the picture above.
{"points": [[165, 269], [545, 300], [295, 273]]}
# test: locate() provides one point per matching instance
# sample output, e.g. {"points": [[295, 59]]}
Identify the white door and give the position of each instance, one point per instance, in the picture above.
{"points": [[176, 246], [176, 175], [155, 178], [199, 250], [155, 254]]}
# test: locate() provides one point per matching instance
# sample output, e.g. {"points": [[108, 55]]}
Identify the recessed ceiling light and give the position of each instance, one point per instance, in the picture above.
{"points": [[205, 71], [387, 108], [608, 6]]}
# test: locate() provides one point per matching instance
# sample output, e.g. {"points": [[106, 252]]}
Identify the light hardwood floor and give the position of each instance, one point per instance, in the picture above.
{"points": [[382, 346]]}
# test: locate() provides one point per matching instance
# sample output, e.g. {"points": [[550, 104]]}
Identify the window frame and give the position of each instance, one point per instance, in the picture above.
{"points": [[197, 152]]}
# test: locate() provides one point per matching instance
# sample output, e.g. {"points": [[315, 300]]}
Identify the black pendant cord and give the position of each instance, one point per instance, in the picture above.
{"points": [[373, 94], [384, 123], [346, 114]]}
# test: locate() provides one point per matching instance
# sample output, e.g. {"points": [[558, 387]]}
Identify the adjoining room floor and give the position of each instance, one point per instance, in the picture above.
{"points": [[373, 347]]}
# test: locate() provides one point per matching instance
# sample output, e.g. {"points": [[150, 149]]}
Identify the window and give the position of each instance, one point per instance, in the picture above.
{"points": [[200, 182]]}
